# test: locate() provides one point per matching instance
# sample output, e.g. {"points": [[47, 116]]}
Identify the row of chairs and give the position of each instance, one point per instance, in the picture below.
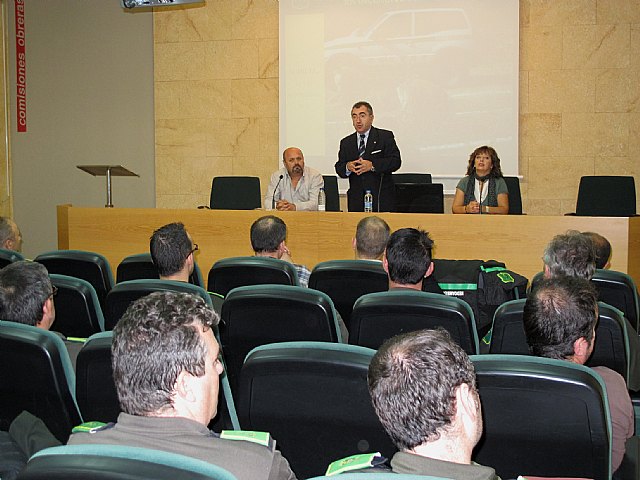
{"points": [[257, 315], [344, 281], [313, 398]]}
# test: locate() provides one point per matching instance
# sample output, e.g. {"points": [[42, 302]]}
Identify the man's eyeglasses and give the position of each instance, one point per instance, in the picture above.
{"points": [[194, 249], [54, 291]]}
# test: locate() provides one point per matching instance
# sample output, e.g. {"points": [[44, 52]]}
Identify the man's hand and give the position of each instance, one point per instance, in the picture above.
{"points": [[359, 166], [285, 206], [286, 255]]}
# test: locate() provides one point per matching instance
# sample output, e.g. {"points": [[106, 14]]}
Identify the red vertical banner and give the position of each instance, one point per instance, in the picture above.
{"points": [[21, 68]]}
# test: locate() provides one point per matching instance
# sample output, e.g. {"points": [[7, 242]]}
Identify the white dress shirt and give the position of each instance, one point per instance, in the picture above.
{"points": [[304, 196]]}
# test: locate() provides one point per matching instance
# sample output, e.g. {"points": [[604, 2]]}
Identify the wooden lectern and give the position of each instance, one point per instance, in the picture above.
{"points": [[107, 171]]}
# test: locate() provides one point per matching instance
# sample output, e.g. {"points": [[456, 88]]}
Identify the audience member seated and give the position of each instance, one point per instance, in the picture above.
{"points": [[294, 186], [572, 254], [10, 236], [560, 317], [172, 251], [372, 234], [407, 261], [602, 248], [268, 236], [423, 389], [26, 296], [166, 367], [483, 190]]}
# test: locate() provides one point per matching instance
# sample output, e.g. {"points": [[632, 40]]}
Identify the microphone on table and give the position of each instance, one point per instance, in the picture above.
{"points": [[273, 200], [480, 202]]}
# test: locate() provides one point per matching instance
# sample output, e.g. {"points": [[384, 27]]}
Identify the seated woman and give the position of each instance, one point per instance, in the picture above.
{"points": [[483, 181]]}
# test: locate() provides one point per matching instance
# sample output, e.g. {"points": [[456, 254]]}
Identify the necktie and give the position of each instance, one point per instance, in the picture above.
{"points": [[361, 146]]}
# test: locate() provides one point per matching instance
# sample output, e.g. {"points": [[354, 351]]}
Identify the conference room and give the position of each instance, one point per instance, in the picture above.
{"points": [[182, 94]]}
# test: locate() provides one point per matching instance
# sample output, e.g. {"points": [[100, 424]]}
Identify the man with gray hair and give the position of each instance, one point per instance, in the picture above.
{"points": [[572, 254], [372, 234], [10, 236], [166, 367]]}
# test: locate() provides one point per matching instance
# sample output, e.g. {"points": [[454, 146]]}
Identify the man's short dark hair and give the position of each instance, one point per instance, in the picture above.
{"points": [[267, 233], [362, 103], [24, 287], [412, 381], [156, 339], [170, 247], [372, 234], [559, 311], [570, 254], [408, 255], [602, 248]]}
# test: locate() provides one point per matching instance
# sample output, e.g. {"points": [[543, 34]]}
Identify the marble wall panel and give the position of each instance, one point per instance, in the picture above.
{"points": [[634, 49], [193, 23], [184, 137], [254, 19], [523, 101], [617, 166], [540, 134], [541, 48], [231, 59], [220, 137], [168, 170], [596, 46], [187, 201], [617, 90], [618, 11], [268, 58], [269, 145], [558, 177], [602, 134], [179, 61], [562, 12], [197, 172], [557, 91], [195, 99], [254, 98]]}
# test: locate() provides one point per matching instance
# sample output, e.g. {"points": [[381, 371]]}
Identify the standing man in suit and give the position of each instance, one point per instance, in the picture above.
{"points": [[368, 157]]}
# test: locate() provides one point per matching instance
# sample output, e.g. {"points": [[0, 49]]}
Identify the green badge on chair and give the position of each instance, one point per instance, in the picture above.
{"points": [[354, 462]]}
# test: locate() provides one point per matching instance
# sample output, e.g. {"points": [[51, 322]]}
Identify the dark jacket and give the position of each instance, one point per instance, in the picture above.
{"points": [[383, 152]]}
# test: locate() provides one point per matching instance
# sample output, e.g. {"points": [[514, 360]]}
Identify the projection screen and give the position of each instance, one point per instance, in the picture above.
{"points": [[442, 74]]}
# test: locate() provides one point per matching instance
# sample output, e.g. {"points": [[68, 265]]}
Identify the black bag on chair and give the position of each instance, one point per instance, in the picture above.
{"points": [[483, 285]]}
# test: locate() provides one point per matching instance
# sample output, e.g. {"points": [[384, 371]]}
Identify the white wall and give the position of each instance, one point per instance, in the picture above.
{"points": [[89, 101]]}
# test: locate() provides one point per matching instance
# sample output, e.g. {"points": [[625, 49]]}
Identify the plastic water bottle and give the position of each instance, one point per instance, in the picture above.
{"points": [[322, 201], [368, 201]]}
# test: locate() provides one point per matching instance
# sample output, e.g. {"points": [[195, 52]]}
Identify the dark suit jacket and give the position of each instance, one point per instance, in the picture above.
{"points": [[383, 152]]}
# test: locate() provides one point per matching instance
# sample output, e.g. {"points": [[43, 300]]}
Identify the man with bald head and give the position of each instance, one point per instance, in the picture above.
{"points": [[294, 186]]}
